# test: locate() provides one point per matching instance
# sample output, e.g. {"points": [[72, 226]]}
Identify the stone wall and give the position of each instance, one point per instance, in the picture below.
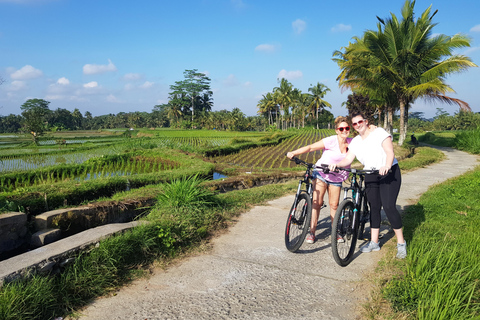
{"points": [[13, 231]]}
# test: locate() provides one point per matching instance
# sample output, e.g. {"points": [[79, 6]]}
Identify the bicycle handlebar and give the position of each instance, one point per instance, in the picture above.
{"points": [[324, 167]]}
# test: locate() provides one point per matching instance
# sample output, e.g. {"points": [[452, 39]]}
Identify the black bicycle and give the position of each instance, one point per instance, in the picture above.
{"points": [[350, 218], [298, 221]]}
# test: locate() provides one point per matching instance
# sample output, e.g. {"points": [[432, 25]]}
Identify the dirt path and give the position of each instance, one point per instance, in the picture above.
{"points": [[250, 275]]}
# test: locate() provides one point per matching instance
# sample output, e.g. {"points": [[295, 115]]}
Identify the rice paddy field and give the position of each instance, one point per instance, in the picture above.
{"points": [[80, 157]]}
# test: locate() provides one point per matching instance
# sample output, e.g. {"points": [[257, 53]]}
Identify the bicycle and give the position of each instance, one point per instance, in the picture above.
{"points": [[350, 218], [300, 215]]}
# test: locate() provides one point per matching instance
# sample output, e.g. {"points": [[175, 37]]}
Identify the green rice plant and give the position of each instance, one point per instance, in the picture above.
{"points": [[185, 192], [468, 140]]}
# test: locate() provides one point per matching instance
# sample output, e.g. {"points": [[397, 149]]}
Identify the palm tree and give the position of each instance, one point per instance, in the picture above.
{"points": [[304, 101], [404, 60], [284, 96], [317, 103], [266, 105]]}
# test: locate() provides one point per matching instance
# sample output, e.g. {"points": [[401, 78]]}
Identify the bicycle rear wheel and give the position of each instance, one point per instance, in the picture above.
{"points": [[298, 222], [343, 226], [364, 218]]}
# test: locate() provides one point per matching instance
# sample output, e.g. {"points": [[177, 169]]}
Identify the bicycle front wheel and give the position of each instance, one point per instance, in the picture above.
{"points": [[344, 235], [298, 222]]}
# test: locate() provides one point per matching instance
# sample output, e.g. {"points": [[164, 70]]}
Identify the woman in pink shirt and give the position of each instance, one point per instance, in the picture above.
{"points": [[334, 150]]}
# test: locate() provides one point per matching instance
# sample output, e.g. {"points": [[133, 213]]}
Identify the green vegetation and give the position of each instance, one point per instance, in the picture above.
{"points": [[422, 157], [400, 61], [119, 259], [439, 279]]}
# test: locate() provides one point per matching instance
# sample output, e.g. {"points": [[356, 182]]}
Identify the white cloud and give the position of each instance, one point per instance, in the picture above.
{"points": [[471, 50], [265, 47], [93, 84], [54, 97], [476, 28], [63, 81], [230, 81], [25, 73], [99, 68], [128, 87], [290, 75], [112, 98], [299, 26], [247, 84], [132, 76], [17, 85], [147, 84], [341, 28]]}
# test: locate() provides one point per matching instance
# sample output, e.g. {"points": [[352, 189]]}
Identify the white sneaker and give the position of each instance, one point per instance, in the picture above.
{"points": [[402, 250], [370, 246]]}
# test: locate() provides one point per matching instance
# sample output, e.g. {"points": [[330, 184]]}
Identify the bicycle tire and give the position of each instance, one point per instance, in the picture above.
{"points": [[364, 217], [342, 225], [298, 222]]}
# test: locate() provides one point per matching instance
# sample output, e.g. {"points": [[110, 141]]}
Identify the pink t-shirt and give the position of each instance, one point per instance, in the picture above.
{"points": [[331, 155]]}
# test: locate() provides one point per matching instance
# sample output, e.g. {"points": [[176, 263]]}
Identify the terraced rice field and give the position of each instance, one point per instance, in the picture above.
{"points": [[274, 156]]}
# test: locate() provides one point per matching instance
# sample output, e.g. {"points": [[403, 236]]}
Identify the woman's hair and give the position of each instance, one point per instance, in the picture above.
{"points": [[339, 120], [356, 114]]}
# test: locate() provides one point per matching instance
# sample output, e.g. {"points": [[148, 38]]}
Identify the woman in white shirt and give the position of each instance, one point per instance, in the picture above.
{"points": [[374, 149]]}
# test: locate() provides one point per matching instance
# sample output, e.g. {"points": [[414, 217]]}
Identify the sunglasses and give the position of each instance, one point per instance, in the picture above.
{"points": [[357, 123], [343, 128]]}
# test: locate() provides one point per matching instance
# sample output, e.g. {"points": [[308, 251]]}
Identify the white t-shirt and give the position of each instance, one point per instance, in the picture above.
{"points": [[369, 151]]}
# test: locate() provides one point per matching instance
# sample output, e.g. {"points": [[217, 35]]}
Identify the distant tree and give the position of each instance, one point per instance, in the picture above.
{"points": [[88, 120], [62, 119], [77, 119], [10, 124], [35, 113], [283, 95], [195, 85], [317, 104]]}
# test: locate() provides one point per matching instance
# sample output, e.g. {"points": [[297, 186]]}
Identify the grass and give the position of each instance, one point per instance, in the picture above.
{"points": [[422, 157], [440, 277], [119, 259]]}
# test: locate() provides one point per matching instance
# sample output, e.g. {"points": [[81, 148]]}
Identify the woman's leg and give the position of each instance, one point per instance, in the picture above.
{"points": [[333, 199], [319, 188], [373, 196], [389, 190]]}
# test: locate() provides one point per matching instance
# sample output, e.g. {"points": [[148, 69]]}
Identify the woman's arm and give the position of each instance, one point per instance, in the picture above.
{"points": [[319, 145], [345, 162], [387, 146]]}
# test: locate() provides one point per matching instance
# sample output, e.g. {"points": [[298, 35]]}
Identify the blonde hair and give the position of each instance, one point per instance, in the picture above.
{"points": [[341, 119]]}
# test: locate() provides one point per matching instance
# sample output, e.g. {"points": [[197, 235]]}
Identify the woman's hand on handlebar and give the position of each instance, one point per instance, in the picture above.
{"points": [[332, 167], [290, 155], [384, 170]]}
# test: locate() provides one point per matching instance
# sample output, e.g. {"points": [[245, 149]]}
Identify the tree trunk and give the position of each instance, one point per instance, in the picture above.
{"points": [[379, 110], [403, 122], [385, 119]]}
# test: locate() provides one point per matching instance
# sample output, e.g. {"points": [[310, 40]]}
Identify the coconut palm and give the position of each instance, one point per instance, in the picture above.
{"points": [[317, 103], [284, 96], [267, 105], [403, 59]]}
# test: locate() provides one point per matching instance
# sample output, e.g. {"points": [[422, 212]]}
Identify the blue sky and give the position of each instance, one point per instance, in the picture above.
{"points": [[107, 56]]}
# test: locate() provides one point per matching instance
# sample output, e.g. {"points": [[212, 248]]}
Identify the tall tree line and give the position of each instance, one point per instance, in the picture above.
{"points": [[288, 107]]}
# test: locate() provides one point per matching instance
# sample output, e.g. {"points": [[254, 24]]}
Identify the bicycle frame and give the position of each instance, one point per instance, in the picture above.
{"points": [[358, 194]]}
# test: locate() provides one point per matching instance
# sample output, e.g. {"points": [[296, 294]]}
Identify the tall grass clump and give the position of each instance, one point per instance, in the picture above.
{"points": [[468, 140], [440, 277]]}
